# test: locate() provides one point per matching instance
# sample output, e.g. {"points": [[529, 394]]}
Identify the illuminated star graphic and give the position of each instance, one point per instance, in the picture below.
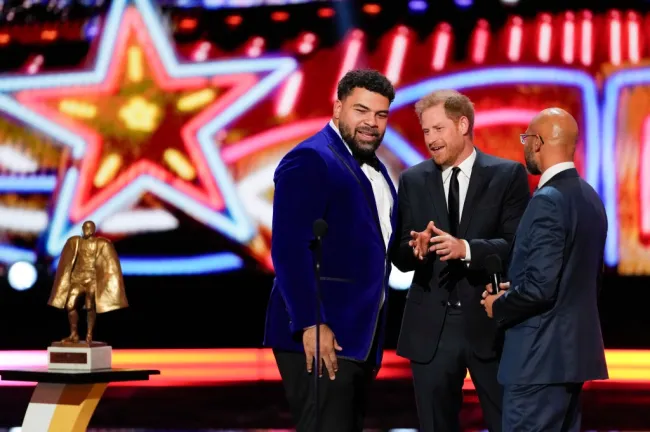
{"points": [[139, 114], [66, 106]]}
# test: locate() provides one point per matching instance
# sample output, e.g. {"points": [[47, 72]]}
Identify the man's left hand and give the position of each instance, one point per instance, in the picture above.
{"points": [[446, 246]]}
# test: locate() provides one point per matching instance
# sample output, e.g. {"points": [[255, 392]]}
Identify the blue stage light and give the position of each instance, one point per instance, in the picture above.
{"points": [[418, 5], [463, 3]]}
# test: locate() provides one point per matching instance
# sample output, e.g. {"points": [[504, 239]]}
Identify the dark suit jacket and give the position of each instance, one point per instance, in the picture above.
{"points": [[320, 178], [496, 198], [550, 312]]}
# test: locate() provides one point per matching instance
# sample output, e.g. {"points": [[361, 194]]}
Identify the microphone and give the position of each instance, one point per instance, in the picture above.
{"points": [[320, 230], [493, 267]]}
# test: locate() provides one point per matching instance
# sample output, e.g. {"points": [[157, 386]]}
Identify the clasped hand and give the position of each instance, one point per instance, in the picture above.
{"points": [[328, 348], [433, 239], [489, 298]]}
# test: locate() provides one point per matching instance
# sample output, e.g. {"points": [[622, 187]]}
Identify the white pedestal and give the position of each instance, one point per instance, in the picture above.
{"points": [[79, 358]]}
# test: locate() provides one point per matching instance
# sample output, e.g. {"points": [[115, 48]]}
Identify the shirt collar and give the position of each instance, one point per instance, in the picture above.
{"points": [[553, 171], [465, 167]]}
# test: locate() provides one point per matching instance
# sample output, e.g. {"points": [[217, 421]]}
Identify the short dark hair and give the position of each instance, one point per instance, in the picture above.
{"points": [[368, 79]]}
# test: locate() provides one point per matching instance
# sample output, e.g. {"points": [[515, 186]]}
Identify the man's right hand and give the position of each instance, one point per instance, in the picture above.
{"points": [[420, 241], [328, 348]]}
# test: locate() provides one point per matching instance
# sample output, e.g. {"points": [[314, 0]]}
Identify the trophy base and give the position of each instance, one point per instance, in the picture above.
{"points": [[79, 356], [78, 344]]}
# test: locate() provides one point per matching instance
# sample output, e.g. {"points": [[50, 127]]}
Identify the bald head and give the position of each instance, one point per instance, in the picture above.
{"points": [[560, 128], [556, 137]]}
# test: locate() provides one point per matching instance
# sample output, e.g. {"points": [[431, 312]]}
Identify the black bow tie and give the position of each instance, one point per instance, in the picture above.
{"points": [[372, 161]]}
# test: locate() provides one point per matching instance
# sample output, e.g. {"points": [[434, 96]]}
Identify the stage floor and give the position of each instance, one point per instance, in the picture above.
{"points": [[239, 390], [262, 406]]}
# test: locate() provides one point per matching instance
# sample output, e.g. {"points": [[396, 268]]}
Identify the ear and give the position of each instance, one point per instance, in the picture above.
{"points": [[537, 146], [338, 105], [463, 125]]}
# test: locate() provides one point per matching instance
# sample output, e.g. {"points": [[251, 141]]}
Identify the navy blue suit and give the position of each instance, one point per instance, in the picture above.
{"points": [[320, 178], [553, 341]]}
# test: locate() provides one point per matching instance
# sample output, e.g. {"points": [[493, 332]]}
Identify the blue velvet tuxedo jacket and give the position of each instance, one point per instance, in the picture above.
{"points": [[320, 178], [550, 313]]}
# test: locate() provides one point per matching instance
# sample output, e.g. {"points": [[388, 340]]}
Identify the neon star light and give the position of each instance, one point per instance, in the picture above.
{"points": [[233, 223], [24, 184], [138, 118], [613, 88]]}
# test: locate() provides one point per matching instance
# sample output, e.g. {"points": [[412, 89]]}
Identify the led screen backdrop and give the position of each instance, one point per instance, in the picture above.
{"points": [[171, 147]]}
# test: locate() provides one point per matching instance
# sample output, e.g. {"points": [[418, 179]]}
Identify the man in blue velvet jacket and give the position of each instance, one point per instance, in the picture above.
{"points": [[553, 342], [334, 175]]}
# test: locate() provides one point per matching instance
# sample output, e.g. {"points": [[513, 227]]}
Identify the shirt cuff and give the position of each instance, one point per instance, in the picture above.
{"points": [[468, 253]]}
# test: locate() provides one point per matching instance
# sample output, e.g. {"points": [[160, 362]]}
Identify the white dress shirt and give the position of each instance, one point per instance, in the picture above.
{"points": [[553, 171], [383, 196], [463, 184]]}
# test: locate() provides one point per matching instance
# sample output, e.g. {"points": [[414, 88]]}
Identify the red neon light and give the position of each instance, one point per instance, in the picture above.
{"points": [[49, 35], [644, 184], [615, 38], [234, 20], [397, 53], [86, 202], [544, 38], [187, 24], [515, 39], [255, 46], [326, 12], [372, 8], [442, 42], [256, 143], [307, 43], [568, 38], [212, 367], [480, 41], [353, 48], [633, 37], [289, 94], [280, 16], [586, 39]]}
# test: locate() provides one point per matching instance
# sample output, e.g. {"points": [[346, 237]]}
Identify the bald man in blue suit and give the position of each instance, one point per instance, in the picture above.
{"points": [[549, 310]]}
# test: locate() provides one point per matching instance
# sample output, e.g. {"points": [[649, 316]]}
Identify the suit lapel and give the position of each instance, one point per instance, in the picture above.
{"points": [[343, 154], [438, 198], [476, 185]]}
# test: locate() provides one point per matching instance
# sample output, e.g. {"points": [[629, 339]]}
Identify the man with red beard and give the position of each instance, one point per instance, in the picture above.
{"points": [[335, 176], [454, 212]]}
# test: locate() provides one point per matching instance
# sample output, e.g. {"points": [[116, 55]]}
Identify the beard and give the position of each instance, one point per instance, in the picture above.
{"points": [[361, 149], [531, 165]]}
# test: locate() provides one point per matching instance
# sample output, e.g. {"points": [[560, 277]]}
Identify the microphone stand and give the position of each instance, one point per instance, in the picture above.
{"points": [[317, 362]]}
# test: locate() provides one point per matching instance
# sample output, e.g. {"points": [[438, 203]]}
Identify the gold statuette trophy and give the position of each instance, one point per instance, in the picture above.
{"points": [[88, 268]]}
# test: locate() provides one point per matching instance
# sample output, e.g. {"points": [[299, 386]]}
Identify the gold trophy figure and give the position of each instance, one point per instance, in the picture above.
{"points": [[88, 267]]}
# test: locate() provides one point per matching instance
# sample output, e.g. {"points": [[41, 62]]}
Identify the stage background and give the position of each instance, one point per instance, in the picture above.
{"points": [[163, 123]]}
